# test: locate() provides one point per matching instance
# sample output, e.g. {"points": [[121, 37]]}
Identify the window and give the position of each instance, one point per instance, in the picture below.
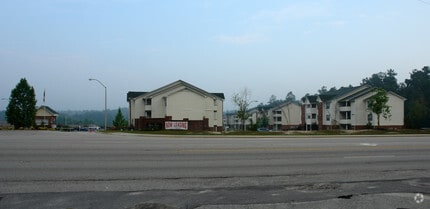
{"points": [[148, 114], [370, 117], [314, 116], [148, 101], [314, 105], [345, 104], [215, 115], [277, 119], [327, 105], [345, 115], [276, 112], [327, 117]]}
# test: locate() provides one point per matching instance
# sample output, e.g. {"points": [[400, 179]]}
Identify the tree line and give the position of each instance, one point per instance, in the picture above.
{"points": [[93, 117]]}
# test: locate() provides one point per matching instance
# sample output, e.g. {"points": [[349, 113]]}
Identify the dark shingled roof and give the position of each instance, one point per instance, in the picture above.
{"points": [[358, 94], [333, 94], [327, 97], [220, 95], [312, 99], [134, 94]]}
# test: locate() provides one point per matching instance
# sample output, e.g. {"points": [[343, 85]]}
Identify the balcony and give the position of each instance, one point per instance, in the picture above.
{"points": [[345, 108], [345, 121]]}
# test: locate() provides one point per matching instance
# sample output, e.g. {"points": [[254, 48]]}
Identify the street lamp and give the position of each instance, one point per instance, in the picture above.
{"points": [[93, 79]]}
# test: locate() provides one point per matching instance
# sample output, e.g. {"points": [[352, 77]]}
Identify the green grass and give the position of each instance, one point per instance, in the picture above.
{"points": [[253, 133], [167, 132], [273, 133]]}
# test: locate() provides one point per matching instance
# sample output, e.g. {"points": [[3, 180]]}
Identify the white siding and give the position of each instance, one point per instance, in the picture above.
{"points": [[186, 104], [397, 112]]}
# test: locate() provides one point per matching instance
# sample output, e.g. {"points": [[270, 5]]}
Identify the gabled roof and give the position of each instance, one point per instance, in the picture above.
{"points": [[135, 94], [283, 104], [357, 94], [254, 109], [337, 93], [48, 109], [389, 92]]}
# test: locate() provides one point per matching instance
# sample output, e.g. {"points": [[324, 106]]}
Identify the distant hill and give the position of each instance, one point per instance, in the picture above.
{"points": [[88, 117]]}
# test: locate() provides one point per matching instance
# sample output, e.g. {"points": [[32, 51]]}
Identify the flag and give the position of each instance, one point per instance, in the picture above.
{"points": [[43, 96]]}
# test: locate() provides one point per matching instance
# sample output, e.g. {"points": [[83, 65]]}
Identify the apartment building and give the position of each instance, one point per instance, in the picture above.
{"points": [[347, 108], [178, 105]]}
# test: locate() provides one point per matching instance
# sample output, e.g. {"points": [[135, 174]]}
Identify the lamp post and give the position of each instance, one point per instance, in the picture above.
{"points": [[93, 79]]}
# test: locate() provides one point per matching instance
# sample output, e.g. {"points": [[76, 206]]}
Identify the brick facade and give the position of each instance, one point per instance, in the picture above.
{"points": [[144, 123], [303, 116], [320, 115]]}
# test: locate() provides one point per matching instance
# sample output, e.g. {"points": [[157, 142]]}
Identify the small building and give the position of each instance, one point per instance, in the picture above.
{"points": [[178, 105], [46, 116]]}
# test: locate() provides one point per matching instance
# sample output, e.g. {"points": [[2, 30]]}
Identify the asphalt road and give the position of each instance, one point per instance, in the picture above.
{"points": [[42, 169]]}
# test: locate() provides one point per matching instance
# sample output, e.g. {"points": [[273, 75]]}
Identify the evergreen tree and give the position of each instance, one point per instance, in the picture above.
{"points": [[120, 122], [21, 111]]}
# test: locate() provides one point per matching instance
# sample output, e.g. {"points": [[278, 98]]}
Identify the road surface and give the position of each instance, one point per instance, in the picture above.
{"points": [[43, 169]]}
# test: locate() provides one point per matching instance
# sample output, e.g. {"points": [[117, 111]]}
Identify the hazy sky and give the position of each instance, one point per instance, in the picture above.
{"points": [[270, 47]]}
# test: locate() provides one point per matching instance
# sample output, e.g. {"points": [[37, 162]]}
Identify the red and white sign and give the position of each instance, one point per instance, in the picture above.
{"points": [[176, 125]]}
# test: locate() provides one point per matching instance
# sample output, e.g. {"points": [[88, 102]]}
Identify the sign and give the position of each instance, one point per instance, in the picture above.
{"points": [[176, 125]]}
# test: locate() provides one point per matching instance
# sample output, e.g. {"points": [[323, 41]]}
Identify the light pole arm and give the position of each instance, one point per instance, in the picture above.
{"points": [[93, 79]]}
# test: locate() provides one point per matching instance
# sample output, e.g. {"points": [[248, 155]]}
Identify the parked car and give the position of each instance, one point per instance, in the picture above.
{"points": [[263, 129]]}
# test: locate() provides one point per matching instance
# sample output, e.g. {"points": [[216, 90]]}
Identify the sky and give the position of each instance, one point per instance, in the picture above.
{"points": [[269, 47]]}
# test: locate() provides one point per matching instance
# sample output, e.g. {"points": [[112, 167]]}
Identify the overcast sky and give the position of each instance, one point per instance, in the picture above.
{"points": [[269, 47]]}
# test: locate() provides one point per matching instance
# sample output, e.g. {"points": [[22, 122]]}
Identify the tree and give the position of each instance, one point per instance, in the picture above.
{"points": [[120, 122], [272, 99], [323, 90], [417, 105], [21, 110], [263, 121], [386, 80], [378, 104], [242, 100], [290, 97]]}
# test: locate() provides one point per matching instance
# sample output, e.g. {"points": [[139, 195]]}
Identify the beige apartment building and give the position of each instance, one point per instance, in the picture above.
{"points": [[347, 108], [178, 105]]}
